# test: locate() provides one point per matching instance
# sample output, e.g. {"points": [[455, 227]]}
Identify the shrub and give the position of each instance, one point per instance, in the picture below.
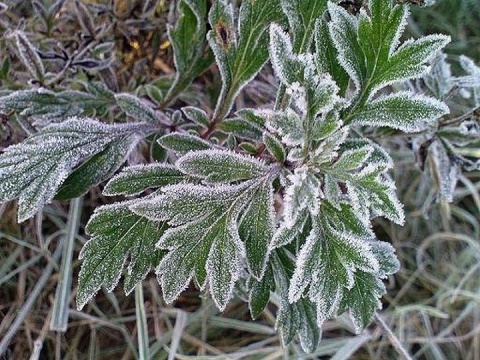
{"points": [[267, 197]]}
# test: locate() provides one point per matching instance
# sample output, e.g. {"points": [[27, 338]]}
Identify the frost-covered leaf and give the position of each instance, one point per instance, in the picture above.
{"points": [[288, 66], [303, 193], [183, 143], [363, 299], [204, 240], [136, 108], [352, 159], [190, 50], [240, 54], [385, 254], [294, 318], [325, 56], [473, 71], [287, 124], [45, 106], [372, 194], [196, 115], [368, 47], [29, 55], [301, 15], [135, 179], [343, 31], [96, 169], [256, 228], [117, 234], [405, 111], [220, 166], [326, 266], [259, 293], [274, 147], [34, 170]]}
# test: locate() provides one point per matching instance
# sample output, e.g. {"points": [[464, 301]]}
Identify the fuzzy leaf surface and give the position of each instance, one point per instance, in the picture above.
{"points": [[135, 179], [117, 234], [204, 241], [188, 39], [220, 166], [240, 53], [34, 170]]}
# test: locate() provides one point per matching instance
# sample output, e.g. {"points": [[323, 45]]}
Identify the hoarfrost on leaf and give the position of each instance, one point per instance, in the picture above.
{"points": [[34, 170], [117, 234]]}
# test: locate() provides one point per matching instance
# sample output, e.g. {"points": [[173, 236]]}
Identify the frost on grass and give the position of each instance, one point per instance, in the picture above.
{"points": [[33, 170], [117, 234]]}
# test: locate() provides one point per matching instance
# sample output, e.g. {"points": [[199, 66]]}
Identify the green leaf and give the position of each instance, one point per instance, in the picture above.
{"points": [[240, 54], [135, 179], [362, 300], [203, 241], [372, 193], [405, 111], [294, 318], [46, 106], [35, 169], [326, 266], [325, 56], [188, 38], [343, 31], [301, 15], [183, 143], [256, 228], [136, 108], [117, 234], [220, 166], [274, 147], [95, 170], [259, 294], [196, 115]]}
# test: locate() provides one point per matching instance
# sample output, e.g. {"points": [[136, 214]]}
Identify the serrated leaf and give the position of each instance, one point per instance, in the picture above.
{"points": [[183, 143], [220, 166], [259, 293], [95, 170], [325, 56], [240, 54], [301, 15], [136, 108], [385, 254], [287, 124], [117, 234], [288, 66], [188, 38], [34, 170], [135, 179], [326, 265], [274, 147], [294, 318], [343, 32], [405, 111], [372, 193], [303, 193], [352, 159], [362, 300], [256, 229], [204, 241]]}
